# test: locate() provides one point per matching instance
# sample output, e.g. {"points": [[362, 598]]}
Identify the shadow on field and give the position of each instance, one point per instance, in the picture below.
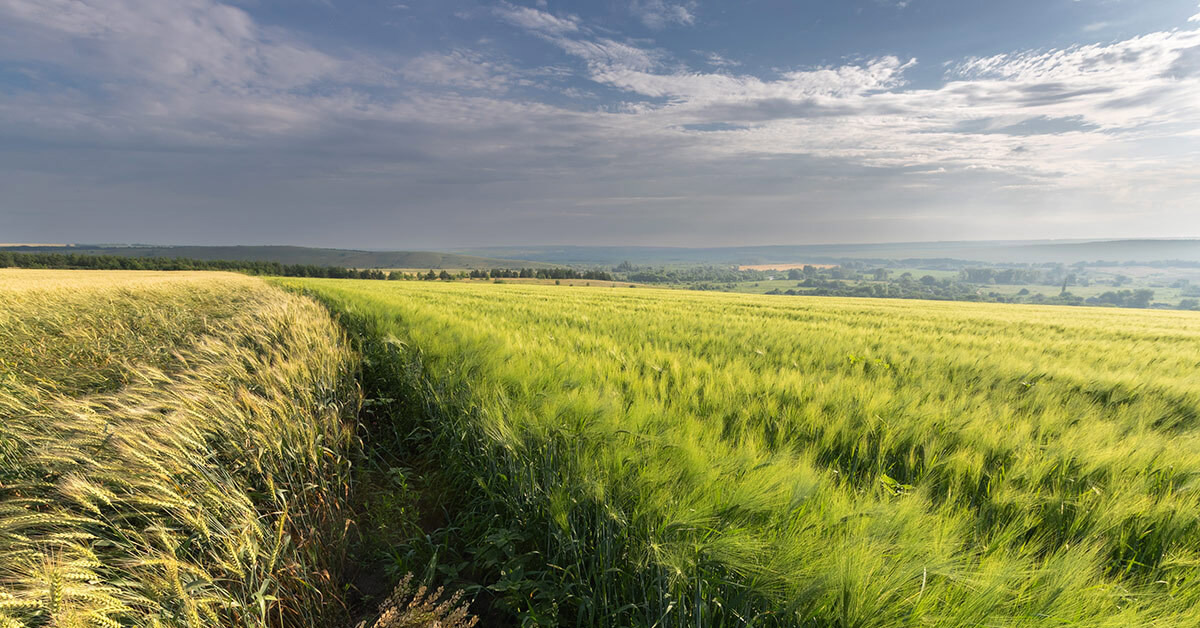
{"points": [[405, 503]]}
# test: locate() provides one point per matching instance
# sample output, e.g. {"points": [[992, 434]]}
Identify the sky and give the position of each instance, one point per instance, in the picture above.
{"points": [[459, 123]]}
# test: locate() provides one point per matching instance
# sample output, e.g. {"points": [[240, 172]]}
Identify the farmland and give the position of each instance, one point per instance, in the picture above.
{"points": [[648, 457], [174, 451], [205, 449]]}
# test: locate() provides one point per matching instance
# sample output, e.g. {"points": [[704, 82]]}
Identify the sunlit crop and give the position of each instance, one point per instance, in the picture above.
{"points": [[640, 457], [174, 451]]}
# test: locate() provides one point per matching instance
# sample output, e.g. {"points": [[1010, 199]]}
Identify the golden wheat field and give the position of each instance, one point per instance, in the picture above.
{"points": [[174, 451], [14, 280]]}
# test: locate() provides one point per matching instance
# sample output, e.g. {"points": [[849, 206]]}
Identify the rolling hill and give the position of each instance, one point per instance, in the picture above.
{"points": [[348, 258], [996, 251]]}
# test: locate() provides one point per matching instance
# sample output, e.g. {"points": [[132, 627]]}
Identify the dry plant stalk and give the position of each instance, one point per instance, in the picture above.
{"points": [[406, 608]]}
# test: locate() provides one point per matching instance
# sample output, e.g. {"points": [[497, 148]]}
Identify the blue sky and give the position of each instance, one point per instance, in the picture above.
{"points": [[421, 124]]}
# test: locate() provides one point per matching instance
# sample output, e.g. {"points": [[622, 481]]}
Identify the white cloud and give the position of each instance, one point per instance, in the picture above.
{"points": [[798, 86], [562, 32], [459, 68], [605, 53], [535, 20], [1086, 122], [658, 14], [718, 61], [208, 73], [189, 42]]}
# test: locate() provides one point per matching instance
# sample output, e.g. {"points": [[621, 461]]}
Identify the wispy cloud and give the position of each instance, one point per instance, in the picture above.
{"points": [[213, 93], [718, 61], [536, 20], [460, 68], [659, 14]]}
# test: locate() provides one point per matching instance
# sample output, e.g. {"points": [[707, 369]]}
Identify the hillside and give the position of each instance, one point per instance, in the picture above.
{"points": [[346, 258], [1032, 252]]}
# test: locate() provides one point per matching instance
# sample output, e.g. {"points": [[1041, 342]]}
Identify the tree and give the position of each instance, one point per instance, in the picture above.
{"points": [[1068, 280], [928, 280], [979, 275]]}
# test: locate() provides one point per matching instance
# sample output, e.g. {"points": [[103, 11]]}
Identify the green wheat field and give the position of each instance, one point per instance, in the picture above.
{"points": [[208, 449]]}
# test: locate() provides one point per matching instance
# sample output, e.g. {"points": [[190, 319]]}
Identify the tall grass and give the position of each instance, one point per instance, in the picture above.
{"points": [[172, 453], [657, 458]]}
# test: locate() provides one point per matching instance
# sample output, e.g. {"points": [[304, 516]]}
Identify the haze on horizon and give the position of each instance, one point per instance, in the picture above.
{"points": [[456, 123]]}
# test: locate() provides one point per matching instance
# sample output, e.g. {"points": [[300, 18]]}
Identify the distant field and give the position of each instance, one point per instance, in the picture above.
{"points": [[1162, 294], [783, 267], [671, 458], [594, 283]]}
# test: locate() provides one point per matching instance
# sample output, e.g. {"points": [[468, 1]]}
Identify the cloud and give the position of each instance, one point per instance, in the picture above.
{"points": [[563, 32], [796, 86], [207, 74], [719, 61], [604, 53], [194, 42], [658, 14], [459, 68], [535, 20], [191, 71], [198, 103]]}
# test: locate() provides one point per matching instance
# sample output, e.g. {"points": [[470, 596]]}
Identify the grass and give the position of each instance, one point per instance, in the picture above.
{"points": [[175, 450], [667, 458]]}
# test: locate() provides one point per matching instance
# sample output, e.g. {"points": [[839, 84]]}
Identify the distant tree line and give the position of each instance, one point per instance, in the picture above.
{"points": [[1124, 298], [540, 273], [1178, 263], [692, 274], [1008, 276], [878, 283], [929, 289], [77, 261]]}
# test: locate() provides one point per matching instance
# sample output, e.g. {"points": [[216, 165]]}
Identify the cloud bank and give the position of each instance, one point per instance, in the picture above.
{"points": [[144, 106]]}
